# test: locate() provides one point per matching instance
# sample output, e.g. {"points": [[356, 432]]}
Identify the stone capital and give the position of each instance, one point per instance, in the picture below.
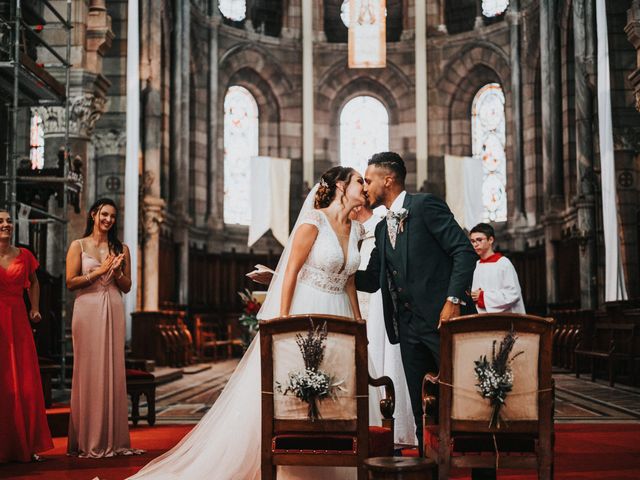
{"points": [[153, 209], [108, 142], [84, 112]]}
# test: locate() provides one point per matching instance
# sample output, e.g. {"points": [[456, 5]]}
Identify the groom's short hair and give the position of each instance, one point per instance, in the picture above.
{"points": [[391, 161]]}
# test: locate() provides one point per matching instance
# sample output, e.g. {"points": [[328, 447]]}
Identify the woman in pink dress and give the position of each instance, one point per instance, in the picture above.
{"points": [[23, 421], [99, 271]]}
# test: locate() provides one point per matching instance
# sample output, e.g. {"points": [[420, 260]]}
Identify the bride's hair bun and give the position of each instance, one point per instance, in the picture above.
{"points": [[328, 184]]}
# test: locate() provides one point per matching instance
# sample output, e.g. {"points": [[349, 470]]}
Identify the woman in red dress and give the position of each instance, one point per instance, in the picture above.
{"points": [[23, 421]]}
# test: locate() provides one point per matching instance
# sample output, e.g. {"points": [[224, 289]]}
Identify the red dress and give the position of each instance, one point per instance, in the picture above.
{"points": [[23, 421]]}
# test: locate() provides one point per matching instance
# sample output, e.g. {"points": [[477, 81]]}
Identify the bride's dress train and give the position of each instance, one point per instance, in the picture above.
{"points": [[225, 445]]}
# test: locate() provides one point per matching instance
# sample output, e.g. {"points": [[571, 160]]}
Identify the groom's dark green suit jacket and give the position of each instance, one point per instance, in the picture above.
{"points": [[436, 260]]}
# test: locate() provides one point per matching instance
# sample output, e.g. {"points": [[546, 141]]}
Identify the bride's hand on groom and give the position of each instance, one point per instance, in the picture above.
{"points": [[450, 310]]}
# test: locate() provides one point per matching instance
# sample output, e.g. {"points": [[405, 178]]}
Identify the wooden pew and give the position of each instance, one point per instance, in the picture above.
{"points": [[610, 343]]}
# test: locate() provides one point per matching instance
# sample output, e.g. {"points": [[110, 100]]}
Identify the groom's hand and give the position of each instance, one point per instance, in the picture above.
{"points": [[449, 310]]}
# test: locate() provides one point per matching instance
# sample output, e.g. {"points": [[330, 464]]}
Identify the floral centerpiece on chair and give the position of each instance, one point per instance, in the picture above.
{"points": [[249, 317], [495, 377], [311, 384]]}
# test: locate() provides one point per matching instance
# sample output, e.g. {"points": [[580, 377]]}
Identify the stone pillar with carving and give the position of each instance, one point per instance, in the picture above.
{"points": [[153, 206], [551, 138], [585, 201], [633, 34]]}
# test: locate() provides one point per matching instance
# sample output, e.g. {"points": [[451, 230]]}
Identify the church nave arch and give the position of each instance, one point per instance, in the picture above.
{"points": [[338, 86]]}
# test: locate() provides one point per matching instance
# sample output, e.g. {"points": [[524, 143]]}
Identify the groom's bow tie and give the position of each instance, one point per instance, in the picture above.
{"points": [[394, 224]]}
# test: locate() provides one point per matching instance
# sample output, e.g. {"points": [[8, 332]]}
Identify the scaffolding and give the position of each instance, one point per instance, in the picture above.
{"points": [[27, 83]]}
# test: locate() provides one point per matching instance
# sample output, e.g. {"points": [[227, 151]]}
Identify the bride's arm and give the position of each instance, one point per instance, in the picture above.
{"points": [[353, 296], [302, 242]]}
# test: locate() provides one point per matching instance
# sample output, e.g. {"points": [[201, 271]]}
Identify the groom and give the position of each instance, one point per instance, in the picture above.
{"points": [[424, 264]]}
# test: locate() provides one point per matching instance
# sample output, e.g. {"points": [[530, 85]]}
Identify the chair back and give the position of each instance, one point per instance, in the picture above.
{"points": [[465, 340], [341, 430]]}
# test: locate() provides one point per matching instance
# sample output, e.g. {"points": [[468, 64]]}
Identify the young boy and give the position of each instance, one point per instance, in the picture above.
{"points": [[495, 285]]}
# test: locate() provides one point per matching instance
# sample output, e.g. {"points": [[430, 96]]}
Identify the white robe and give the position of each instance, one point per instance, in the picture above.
{"points": [[385, 357], [499, 282]]}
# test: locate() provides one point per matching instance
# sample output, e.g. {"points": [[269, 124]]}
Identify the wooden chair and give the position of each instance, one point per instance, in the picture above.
{"points": [[214, 332], [458, 435], [341, 436]]}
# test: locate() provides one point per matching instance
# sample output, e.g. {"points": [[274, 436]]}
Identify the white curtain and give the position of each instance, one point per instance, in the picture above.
{"points": [[270, 180], [614, 274], [463, 180]]}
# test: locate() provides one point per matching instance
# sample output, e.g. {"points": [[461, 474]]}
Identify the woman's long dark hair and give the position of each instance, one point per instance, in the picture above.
{"points": [[115, 245]]}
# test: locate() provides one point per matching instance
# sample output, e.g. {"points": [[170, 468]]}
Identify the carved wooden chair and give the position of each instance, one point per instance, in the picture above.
{"points": [[341, 436], [458, 433]]}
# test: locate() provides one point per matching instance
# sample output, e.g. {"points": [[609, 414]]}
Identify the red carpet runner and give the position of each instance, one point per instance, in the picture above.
{"points": [[583, 451]]}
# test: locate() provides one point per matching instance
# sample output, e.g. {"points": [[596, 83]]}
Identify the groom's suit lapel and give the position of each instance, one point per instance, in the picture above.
{"points": [[402, 239]]}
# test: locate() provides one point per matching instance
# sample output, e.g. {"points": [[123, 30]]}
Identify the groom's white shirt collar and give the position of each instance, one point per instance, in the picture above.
{"points": [[398, 202]]}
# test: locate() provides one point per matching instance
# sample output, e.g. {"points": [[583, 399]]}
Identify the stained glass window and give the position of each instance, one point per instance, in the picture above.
{"points": [[240, 144], [36, 142], [364, 130], [235, 10], [489, 137], [492, 8]]}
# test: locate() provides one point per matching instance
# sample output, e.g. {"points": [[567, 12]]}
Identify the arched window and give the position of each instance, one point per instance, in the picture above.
{"points": [[235, 10], [36, 142], [364, 130], [489, 138], [240, 144]]}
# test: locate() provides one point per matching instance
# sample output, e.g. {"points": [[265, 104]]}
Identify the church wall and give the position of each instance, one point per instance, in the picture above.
{"points": [[458, 65]]}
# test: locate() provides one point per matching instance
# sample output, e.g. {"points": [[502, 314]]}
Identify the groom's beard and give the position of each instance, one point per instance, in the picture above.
{"points": [[375, 202]]}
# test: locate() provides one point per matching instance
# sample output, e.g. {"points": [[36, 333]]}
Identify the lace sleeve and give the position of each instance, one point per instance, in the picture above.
{"points": [[312, 217]]}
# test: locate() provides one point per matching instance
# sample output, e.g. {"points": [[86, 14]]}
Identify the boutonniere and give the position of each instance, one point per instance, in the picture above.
{"points": [[402, 216]]}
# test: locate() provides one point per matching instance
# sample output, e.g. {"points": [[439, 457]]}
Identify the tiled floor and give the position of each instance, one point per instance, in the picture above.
{"points": [[580, 400], [187, 400], [577, 400]]}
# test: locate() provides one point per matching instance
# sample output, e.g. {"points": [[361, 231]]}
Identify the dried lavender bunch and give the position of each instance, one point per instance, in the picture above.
{"points": [[312, 345], [495, 378]]}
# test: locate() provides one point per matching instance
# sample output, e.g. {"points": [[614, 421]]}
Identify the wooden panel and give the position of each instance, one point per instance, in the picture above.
{"points": [[531, 268]]}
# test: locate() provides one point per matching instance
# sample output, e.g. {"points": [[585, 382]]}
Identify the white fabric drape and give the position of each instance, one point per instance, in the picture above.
{"points": [[270, 180], [463, 180], [614, 274], [132, 163]]}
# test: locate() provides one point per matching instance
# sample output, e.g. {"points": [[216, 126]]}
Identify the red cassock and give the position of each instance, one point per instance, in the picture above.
{"points": [[23, 421]]}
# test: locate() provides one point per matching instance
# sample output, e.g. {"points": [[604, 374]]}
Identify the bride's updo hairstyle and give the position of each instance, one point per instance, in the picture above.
{"points": [[328, 184]]}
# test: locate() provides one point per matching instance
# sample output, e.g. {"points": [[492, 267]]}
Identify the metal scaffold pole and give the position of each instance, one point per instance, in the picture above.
{"points": [[13, 157], [28, 89]]}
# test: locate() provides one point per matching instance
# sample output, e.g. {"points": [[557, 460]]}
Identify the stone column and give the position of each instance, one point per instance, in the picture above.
{"points": [[151, 131], [479, 21], [551, 137], [422, 153], [633, 34], [183, 113], [307, 93], [516, 89], [181, 45], [215, 215], [584, 157]]}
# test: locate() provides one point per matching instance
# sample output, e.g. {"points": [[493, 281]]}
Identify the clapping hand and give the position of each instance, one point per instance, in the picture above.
{"points": [[107, 264], [118, 262]]}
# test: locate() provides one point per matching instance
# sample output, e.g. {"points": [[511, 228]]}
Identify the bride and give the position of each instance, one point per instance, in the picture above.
{"points": [[315, 274]]}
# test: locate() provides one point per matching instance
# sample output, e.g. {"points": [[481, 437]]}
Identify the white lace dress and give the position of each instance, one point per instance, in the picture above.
{"points": [[225, 445]]}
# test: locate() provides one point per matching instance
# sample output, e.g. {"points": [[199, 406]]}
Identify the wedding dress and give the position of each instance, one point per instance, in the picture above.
{"points": [[225, 445], [386, 358]]}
